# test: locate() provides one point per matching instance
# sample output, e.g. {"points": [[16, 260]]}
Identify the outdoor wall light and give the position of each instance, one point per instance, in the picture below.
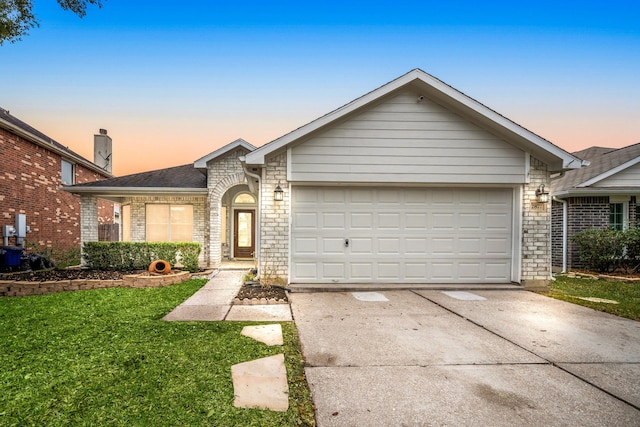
{"points": [[278, 194], [541, 194]]}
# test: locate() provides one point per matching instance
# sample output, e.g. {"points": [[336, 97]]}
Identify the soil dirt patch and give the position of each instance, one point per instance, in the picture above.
{"points": [[73, 274], [256, 292]]}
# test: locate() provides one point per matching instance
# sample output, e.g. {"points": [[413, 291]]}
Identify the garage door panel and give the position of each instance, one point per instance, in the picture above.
{"points": [[389, 221], [442, 246], [389, 270], [389, 246], [305, 220], [497, 270], [410, 235], [360, 246], [416, 271], [362, 271], [470, 270], [333, 270], [498, 247], [416, 246], [470, 246], [416, 221], [442, 221], [332, 246], [306, 245], [442, 271], [361, 221], [334, 220], [305, 270]]}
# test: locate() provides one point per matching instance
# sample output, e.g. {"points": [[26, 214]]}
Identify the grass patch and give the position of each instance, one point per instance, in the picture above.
{"points": [[105, 357], [626, 293]]}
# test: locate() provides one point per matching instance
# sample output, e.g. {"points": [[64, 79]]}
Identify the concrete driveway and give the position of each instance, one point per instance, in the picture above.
{"points": [[499, 358]]}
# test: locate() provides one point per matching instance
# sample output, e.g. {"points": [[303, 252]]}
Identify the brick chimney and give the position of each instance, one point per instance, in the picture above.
{"points": [[102, 153]]}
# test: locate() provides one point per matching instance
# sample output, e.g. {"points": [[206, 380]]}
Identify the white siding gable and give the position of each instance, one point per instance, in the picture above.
{"points": [[629, 177], [402, 140]]}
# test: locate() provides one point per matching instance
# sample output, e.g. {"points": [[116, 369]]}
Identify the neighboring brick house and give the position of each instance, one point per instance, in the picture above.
{"points": [[411, 183], [33, 168], [603, 194]]}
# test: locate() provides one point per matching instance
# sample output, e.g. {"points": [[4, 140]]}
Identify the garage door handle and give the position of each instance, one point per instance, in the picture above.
{"points": [[346, 243]]}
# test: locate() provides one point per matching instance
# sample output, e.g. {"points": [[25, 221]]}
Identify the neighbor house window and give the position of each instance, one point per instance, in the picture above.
{"points": [[67, 173], [169, 223], [616, 216]]}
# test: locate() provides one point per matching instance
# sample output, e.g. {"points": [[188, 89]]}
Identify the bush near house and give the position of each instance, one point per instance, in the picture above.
{"points": [[126, 256], [607, 250]]}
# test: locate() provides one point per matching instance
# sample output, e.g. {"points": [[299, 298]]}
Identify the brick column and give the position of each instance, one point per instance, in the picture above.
{"points": [[274, 232], [536, 231], [88, 219]]}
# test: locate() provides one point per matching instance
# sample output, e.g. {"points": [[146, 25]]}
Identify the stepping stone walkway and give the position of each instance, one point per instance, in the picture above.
{"points": [[262, 383], [268, 334]]}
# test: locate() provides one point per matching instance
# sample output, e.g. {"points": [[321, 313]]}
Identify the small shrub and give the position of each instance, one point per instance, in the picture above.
{"points": [[126, 256], [601, 249], [632, 247]]}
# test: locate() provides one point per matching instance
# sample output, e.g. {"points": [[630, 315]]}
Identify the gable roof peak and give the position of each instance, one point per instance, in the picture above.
{"points": [[201, 163], [436, 90]]}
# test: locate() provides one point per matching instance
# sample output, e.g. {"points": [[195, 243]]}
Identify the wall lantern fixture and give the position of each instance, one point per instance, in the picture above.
{"points": [[541, 194], [278, 194]]}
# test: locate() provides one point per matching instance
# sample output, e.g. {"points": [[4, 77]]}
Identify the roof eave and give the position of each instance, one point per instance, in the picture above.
{"points": [[599, 191], [133, 191], [610, 172], [49, 146]]}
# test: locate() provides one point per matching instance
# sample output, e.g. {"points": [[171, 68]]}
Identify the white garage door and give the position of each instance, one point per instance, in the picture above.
{"points": [[401, 235]]}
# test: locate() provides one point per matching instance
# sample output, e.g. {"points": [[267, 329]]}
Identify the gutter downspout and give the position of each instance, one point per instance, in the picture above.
{"points": [[565, 230], [243, 162]]}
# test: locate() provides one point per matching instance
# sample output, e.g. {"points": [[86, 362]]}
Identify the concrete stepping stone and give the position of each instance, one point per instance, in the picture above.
{"points": [[260, 313], [261, 384], [267, 334]]}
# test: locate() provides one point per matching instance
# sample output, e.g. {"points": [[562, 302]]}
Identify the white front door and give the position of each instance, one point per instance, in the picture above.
{"points": [[401, 235]]}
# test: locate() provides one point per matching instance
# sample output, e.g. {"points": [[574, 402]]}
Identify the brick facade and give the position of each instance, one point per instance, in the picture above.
{"points": [[274, 231], [536, 230], [223, 173], [30, 181], [556, 235]]}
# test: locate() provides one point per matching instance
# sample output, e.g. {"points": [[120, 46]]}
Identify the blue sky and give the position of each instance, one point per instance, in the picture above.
{"points": [[173, 82]]}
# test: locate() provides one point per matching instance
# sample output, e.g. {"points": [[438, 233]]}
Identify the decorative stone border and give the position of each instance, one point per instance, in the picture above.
{"points": [[602, 277], [12, 288]]}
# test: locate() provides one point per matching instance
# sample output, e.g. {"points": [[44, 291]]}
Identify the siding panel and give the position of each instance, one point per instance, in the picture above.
{"points": [[401, 140], [627, 178]]}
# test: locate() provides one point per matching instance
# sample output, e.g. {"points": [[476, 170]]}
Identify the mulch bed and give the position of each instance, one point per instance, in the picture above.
{"points": [[51, 275], [248, 292], [256, 292]]}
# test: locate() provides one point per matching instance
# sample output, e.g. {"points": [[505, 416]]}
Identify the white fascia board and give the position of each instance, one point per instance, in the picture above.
{"points": [[133, 191], [202, 162], [594, 192], [610, 172], [49, 146]]}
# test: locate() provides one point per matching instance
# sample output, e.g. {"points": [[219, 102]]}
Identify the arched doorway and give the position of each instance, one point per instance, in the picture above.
{"points": [[238, 223], [244, 226]]}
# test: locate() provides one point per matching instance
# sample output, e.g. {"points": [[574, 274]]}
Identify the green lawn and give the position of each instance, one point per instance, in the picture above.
{"points": [[626, 293], [105, 357]]}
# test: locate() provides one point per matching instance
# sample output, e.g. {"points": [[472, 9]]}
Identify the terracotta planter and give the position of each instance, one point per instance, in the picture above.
{"points": [[160, 267]]}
